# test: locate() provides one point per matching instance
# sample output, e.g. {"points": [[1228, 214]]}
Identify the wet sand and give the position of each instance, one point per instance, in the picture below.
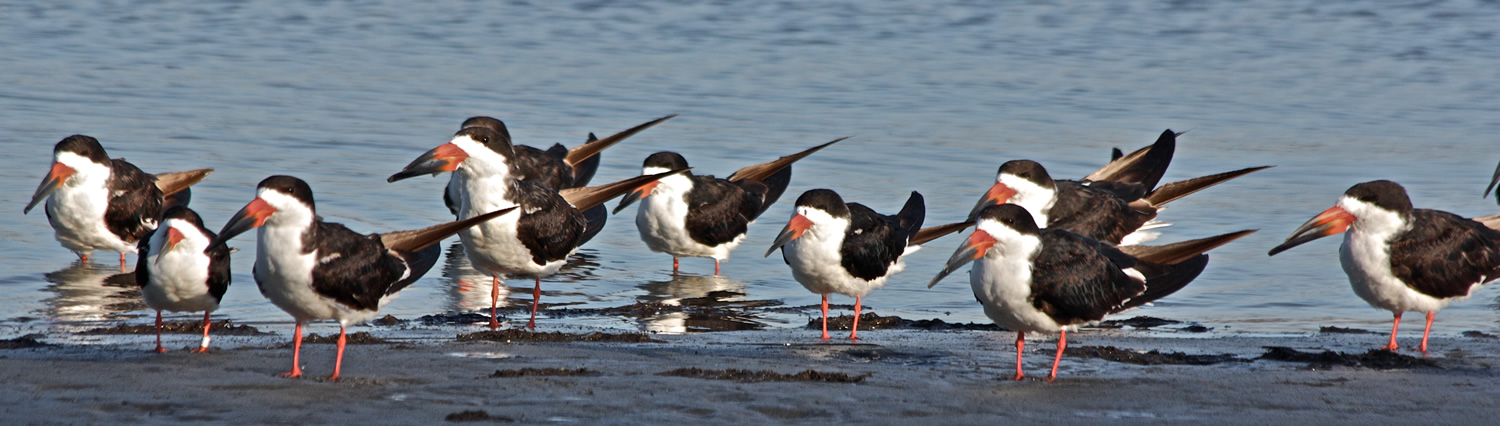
{"points": [[425, 375]]}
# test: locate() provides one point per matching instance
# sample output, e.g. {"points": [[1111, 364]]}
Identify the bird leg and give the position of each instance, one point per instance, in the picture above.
{"points": [[716, 267], [122, 261], [494, 302], [854, 329], [1430, 317], [296, 353], [1020, 347], [825, 316], [204, 346], [536, 300], [1394, 325], [159, 349], [674, 265], [1062, 342], [338, 361]]}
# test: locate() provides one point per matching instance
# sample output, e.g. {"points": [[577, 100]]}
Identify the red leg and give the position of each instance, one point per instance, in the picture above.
{"points": [[83, 257], [122, 261], [536, 300], [204, 347], [854, 330], [825, 316], [1020, 347], [674, 265], [1062, 342], [159, 349], [1430, 316], [296, 353], [1394, 325], [338, 361], [716, 267], [494, 302]]}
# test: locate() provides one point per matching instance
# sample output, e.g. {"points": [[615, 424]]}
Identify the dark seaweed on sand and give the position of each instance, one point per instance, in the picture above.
{"points": [[1153, 357], [513, 335], [872, 321], [218, 328], [764, 375], [28, 341], [1378, 359], [531, 372]]}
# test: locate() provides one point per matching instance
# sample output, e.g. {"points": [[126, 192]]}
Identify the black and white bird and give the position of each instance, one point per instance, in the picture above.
{"points": [[536, 242], [180, 272], [1400, 258], [848, 248], [688, 215], [1118, 212], [556, 168], [316, 270], [1031, 279], [96, 203]]}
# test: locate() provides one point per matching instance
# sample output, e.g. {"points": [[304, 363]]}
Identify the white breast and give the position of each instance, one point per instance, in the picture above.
{"points": [[492, 246], [662, 222], [178, 279], [76, 210], [817, 264], [1001, 280]]}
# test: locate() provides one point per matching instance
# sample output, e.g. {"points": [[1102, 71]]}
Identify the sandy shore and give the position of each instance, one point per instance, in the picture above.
{"points": [[905, 377]]}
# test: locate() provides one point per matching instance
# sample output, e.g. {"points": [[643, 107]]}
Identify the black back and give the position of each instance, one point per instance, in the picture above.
{"points": [[1443, 254], [1075, 279], [134, 198], [1095, 213], [719, 210], [874, 241], [583, 172], [363, 272], [550, 228]]}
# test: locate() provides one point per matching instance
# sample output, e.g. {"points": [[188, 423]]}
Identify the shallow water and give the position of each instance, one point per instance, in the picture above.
{"points": [[936, 96]]}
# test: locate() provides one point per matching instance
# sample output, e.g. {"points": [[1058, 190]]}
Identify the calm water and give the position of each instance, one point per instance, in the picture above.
{"points": [[935, 95]]}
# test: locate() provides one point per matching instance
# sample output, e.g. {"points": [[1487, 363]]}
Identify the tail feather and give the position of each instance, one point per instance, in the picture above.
{"points": [[1491, 221], [595, 218], [417, 264], [1172, 191], [928, 234], [1174, 253], [912, 214], [764, 170], [1493, 180], [179, 198], [586, 198], [776, 185], [172, 182], [1145, 166], [583, 171], [1172, 278], [583, 152]]}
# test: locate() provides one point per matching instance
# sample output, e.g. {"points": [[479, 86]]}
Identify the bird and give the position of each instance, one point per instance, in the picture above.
{"points": [[1031, 279], [180, 272], [98, 203], [317, 270], [1401, 258], [1112, 211], [557, 167], [537, 242], [848, 248], [688, 215]]}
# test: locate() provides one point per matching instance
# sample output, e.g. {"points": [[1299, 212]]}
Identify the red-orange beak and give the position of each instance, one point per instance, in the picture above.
{"points": [[978, 244], [173, 237], [252, 216], [54, 180], [445, 158], [793, 230], [997, 195], [1332, 221], [642, 192]]}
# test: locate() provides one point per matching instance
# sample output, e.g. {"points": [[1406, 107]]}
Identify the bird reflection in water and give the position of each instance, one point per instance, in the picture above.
{"points": [[470, 289], [89, 292], [695, 303]]}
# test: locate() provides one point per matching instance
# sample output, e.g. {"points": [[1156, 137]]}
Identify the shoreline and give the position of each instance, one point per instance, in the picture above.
{"points": [[904, 376]]}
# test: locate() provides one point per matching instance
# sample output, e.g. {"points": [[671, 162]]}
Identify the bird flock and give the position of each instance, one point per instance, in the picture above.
{"points": [[1045, 255]]}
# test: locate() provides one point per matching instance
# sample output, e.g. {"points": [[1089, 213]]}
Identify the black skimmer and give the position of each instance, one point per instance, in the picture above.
{"points": [[1400, 258], [690, 215], [1110, 211], [1050, 280], [95, 203], [318, 270], [537, 242], [556, 168], [180, 272], [847, 248]]}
